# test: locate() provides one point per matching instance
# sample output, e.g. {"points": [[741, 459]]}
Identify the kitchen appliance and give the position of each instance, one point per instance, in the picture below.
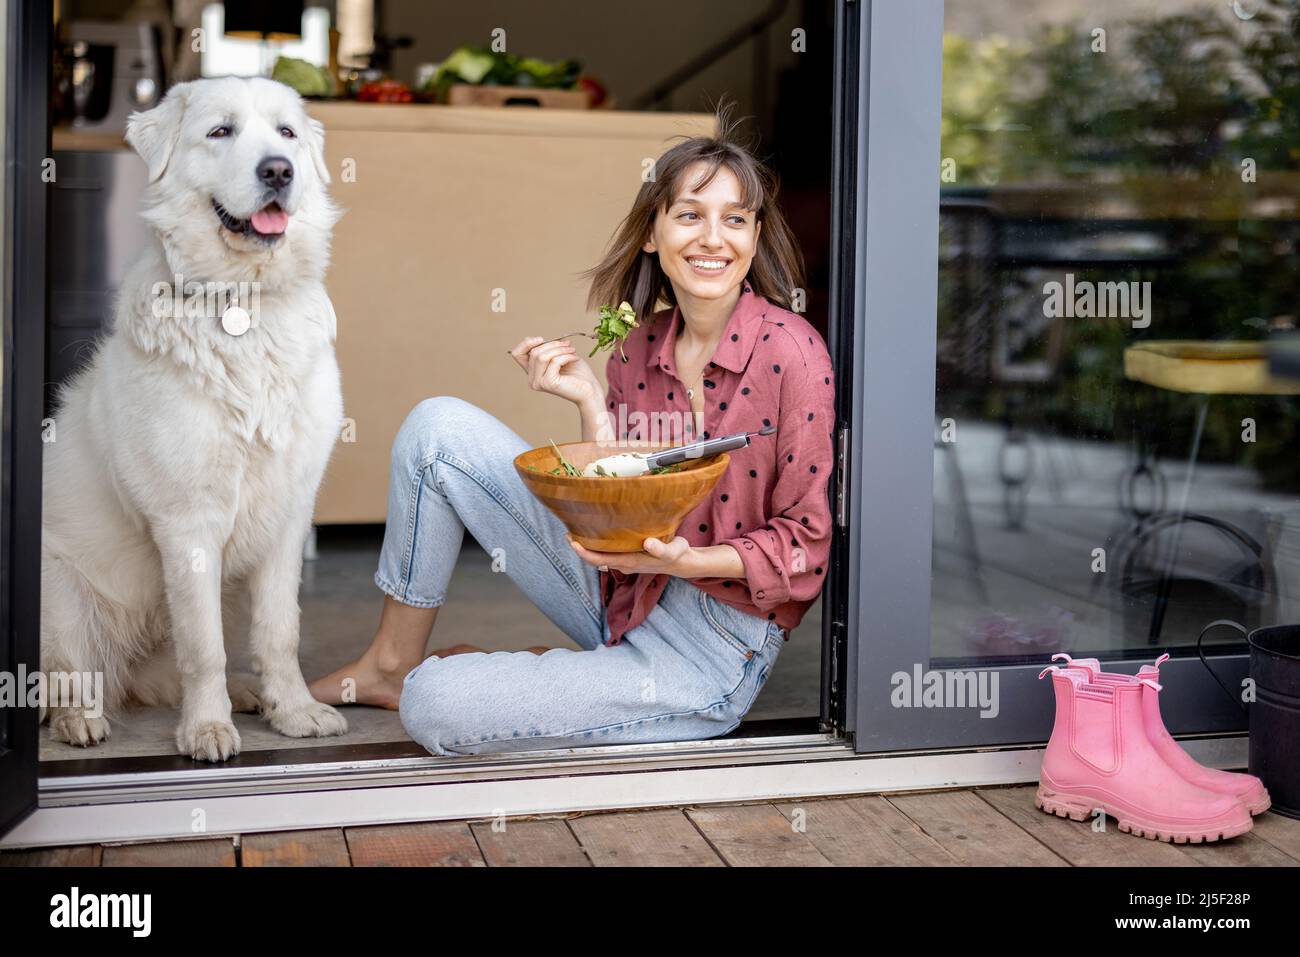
{"points": [[96, 233], [111, 69]]}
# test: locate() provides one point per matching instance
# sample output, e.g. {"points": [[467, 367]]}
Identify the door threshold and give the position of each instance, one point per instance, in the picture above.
{"points": [[209, 802], [55, 773]]}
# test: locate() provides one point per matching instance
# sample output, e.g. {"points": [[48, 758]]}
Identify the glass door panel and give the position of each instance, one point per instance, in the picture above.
{"points": [[1067, 434], [1114, 467]]}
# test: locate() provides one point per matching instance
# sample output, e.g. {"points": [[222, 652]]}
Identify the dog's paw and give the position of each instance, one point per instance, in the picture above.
{"points": [[312, 720], [243, 694], [73, 727], [208, 740]]}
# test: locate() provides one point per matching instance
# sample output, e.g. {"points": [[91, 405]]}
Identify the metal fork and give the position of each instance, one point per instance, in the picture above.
{"points": [[556, 339]]}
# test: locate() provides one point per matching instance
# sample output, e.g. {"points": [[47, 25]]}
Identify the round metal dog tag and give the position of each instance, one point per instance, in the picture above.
{"points": [[236, 320]]}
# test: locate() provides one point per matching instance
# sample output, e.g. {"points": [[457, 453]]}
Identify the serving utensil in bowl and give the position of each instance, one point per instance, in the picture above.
{"points": [[617, 514]]}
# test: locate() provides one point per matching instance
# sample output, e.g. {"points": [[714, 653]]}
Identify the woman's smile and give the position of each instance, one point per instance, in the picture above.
{"points": [[711, 266]]}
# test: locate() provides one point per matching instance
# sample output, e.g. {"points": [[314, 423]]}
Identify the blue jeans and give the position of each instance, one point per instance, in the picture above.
{"points": [[691, 670]]}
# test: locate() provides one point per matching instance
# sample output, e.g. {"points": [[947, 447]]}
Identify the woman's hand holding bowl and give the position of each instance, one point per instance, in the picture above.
{"points": [[676, 558]]}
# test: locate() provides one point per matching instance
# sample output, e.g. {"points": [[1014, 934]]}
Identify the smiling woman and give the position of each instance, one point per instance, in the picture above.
{"points": [[698, 620]]}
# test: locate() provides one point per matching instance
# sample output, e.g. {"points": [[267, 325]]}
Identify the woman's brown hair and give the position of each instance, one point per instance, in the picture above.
{"points": [[629, 273]]}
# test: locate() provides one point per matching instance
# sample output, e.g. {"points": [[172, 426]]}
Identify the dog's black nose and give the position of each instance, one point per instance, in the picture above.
{"points": [[275, 171]]}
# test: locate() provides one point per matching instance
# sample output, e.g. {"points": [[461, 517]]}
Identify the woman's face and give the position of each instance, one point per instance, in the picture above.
{"points": [[705, 240]]}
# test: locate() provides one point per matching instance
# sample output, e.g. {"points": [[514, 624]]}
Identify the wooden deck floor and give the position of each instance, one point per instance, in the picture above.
{"points": [[993, 826]]}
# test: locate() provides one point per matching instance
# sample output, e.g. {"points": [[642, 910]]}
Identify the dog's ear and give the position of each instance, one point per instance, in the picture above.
{"points": [[153, 133], [316, 146]]}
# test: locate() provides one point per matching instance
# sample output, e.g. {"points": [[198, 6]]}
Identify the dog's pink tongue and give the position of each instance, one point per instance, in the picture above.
{"points": [[270, 221]]}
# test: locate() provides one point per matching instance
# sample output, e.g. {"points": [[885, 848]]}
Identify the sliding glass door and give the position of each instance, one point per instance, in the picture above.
{"points": [[1080, 233]]}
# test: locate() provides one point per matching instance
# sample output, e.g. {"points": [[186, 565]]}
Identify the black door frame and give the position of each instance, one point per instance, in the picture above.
{"points": [[29, 26], [843, 331]]}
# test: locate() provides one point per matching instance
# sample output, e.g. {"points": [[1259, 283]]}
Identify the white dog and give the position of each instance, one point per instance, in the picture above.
{"points": [[186, 458]]}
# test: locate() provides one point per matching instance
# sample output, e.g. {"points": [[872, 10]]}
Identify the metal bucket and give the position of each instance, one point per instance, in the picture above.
{"points": [[1275, 713]]}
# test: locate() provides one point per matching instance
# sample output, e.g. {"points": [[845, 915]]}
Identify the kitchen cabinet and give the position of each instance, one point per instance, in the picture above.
{"points": [[466, 229]]}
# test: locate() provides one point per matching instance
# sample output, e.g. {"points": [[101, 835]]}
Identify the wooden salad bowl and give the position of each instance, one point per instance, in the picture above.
{"points": [[617, 514]]}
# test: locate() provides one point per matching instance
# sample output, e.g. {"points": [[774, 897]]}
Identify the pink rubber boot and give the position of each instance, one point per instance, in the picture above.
{"points": [[1246, 788], [1099, 756]]}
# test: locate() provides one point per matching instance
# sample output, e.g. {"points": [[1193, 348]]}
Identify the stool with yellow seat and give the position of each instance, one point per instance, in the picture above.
{"points": [[1204, 368]]}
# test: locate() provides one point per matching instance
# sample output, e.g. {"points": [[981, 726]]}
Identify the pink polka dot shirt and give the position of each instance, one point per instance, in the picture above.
{"points": [[770, 367]]}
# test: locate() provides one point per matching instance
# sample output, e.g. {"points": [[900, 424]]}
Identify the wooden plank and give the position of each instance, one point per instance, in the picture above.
{"points": [[1076, 841], [664, 838], [1282, 832], [1244, 851], [755, 835], [465, 94], [80, 855], [973, 832], [449, 844], [865, 831], [321, 848], [529, 844], [209, 852]]}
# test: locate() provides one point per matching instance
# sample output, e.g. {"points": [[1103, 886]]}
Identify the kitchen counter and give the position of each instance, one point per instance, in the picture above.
{"points": [[466, 229]]}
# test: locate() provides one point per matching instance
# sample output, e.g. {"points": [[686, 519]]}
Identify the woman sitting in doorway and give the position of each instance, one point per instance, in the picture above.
{"points": [[677, 640]]}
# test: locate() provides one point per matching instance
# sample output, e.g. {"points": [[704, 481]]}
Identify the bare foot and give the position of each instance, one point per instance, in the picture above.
{"points": [[372, 679]]}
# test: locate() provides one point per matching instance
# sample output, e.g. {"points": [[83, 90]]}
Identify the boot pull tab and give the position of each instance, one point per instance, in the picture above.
{"points": [[1050, 668], [1062, 655], [1162, 659], [1148, 680]]}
